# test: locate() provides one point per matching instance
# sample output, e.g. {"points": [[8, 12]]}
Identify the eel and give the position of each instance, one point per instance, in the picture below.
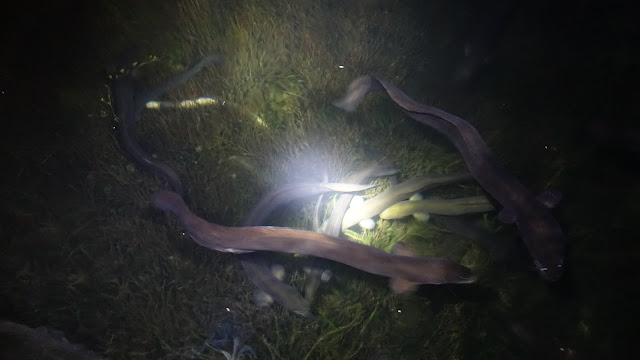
{"points": [[538, 229], [421, 270], [460, 206], [129, 100], [395, 193]]}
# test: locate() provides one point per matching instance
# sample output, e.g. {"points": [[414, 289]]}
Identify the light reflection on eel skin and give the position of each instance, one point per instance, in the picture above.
{"points": [[421, 270]]}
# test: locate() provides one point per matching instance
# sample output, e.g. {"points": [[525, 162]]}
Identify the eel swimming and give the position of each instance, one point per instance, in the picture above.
{"points": [[395, 193], [460, 206], [129, 100], [421, 270], [538, 229]]}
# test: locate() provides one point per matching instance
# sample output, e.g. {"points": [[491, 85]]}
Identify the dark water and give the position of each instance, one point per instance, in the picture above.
{"points": [[564, 79]]}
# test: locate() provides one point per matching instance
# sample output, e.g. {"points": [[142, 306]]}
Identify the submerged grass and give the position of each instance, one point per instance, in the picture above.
{"points": [[128, 283]]}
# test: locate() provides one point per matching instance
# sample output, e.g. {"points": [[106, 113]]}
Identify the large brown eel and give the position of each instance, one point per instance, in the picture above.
{"points": [[421, 270], [538, 229]]}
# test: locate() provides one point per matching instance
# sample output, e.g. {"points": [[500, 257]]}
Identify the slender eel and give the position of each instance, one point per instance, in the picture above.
{"points": [[460, 206], [128, 102], [421, 270], [395, 193], [538, 229]]}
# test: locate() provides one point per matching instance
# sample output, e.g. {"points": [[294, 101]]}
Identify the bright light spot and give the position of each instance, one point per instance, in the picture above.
{"points": [[260, 121], [368, 224], [340, 66], [229, 310], [153, 105], [206, 101]]}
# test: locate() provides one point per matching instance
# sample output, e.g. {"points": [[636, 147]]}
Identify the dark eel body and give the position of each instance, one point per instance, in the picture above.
{"points": [[128, 102], [538, 229], [421, 270]]}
